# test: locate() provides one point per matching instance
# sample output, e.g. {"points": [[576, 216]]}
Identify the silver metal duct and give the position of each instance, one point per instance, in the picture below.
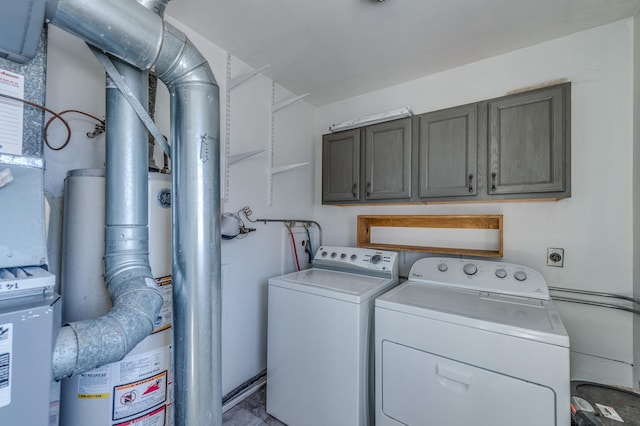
{"points": [[138, 36]]}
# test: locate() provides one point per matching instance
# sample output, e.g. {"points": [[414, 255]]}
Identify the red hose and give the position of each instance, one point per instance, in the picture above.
{"points": [[295, 250]]}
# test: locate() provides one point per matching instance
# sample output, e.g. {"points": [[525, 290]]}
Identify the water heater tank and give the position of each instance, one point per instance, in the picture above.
{"points": [[137, 389]]}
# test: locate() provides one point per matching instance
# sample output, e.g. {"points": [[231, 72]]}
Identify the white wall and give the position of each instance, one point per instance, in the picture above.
{"points": [[76, 81], [593, 226]]}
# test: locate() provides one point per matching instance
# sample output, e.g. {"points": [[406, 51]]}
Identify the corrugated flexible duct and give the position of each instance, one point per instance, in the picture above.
{"points": [[138, 36]]}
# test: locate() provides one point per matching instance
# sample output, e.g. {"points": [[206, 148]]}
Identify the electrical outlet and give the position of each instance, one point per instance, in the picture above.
{"points": [[555, 257]]}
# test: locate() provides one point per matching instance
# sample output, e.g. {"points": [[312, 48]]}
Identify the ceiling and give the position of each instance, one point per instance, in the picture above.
{"points": [[337, 49]]}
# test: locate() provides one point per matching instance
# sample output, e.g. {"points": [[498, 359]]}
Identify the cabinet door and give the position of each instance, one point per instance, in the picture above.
{"points": [[528, 142], [447, 150], [341, 166], [388, 160]]}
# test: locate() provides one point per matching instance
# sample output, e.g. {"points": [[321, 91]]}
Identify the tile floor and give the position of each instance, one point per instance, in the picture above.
{"points": [[251, 412]]}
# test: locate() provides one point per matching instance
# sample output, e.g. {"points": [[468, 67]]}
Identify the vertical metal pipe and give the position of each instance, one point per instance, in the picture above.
{"points": [[126, 151], [196, 254]]}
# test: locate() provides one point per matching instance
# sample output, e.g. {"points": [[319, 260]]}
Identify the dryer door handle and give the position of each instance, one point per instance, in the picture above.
{"points": [[455, 380]]}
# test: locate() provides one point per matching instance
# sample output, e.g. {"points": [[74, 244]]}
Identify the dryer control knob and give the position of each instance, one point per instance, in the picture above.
{"points": [[501, 273], [470, 269], [343, 256], [520, 276], [442, 267], [333, 255], [324, 254], [376, 258], [353, 257]]}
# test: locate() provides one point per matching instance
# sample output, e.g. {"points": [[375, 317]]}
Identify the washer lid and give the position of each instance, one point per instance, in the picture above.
{"points": [[527, 318], [337, 285]]}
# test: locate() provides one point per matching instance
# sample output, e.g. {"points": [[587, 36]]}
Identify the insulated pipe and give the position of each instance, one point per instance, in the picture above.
{"points": [[138, 36]]}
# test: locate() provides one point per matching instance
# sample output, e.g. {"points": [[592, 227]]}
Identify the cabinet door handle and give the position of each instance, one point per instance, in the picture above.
{"points": [[368, 189], [354, 190], [471, 183], [493, 181]]}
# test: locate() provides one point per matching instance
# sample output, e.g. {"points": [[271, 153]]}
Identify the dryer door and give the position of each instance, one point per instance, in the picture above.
{"points": [[420, 388]]}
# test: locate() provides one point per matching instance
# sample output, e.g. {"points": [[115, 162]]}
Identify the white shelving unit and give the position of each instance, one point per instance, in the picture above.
{"points": [[230, 159], [273, 170]]}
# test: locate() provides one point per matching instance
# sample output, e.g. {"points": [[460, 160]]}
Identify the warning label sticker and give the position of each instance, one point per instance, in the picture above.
{"points": [[6, 349], [135, 398], [155, 418]]}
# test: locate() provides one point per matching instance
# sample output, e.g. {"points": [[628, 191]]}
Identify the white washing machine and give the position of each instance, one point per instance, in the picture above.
{"points": [[470, 342], [320, 333]]}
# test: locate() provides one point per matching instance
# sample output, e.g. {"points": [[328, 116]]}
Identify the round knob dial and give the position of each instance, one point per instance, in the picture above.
{"points": [[334, 254], [520, 276], [470, 269], [354, 257], [343, 256], [324, 254], [442, 267], [376, 258], [501, 273]]}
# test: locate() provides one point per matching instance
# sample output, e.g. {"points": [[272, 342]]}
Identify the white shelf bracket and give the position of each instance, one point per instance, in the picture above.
{"points": [[287, 102], [280, 169], [235, 158], [242, 78]]}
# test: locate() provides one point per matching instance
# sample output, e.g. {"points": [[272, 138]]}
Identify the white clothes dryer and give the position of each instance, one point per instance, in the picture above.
{"points": [[320, 337], [470, 342]]}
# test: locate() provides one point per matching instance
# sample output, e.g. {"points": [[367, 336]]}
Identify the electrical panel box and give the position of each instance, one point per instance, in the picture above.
{"points": [[30, 318], [20, 26]]}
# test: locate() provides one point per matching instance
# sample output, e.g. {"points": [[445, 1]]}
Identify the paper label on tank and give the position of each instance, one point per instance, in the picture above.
{"points": [[95, 384], [155, 418], [6, 353], [144, 365], [137, 397], [165, 318], [609, 412]]}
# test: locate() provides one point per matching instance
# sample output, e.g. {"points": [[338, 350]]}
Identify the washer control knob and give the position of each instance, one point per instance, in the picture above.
{"points": [[354, 257], [343, 256], [501, 273], [442, 267], [470, 269], [520, 276], [324, 254], [333, 255], [376, 258]]}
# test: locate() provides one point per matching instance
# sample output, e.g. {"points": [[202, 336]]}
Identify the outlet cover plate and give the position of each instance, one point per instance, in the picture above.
{"points": [[555, 257]]}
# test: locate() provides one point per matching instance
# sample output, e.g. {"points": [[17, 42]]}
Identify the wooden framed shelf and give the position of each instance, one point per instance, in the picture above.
{"points": [[454, 222]]}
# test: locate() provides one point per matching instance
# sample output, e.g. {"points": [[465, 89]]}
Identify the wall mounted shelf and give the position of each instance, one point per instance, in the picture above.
{"points": [[450, 222], [235, 158]]}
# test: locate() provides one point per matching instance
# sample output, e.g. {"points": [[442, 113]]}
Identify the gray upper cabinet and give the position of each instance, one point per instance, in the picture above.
{"points": [[448, 152], [512, 147], [387, 171], [341, 166], [529, 143]]}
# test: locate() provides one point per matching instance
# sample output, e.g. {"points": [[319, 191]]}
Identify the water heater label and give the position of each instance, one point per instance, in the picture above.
{"points": [[135, 398], [6, 349], [95, 384]]}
